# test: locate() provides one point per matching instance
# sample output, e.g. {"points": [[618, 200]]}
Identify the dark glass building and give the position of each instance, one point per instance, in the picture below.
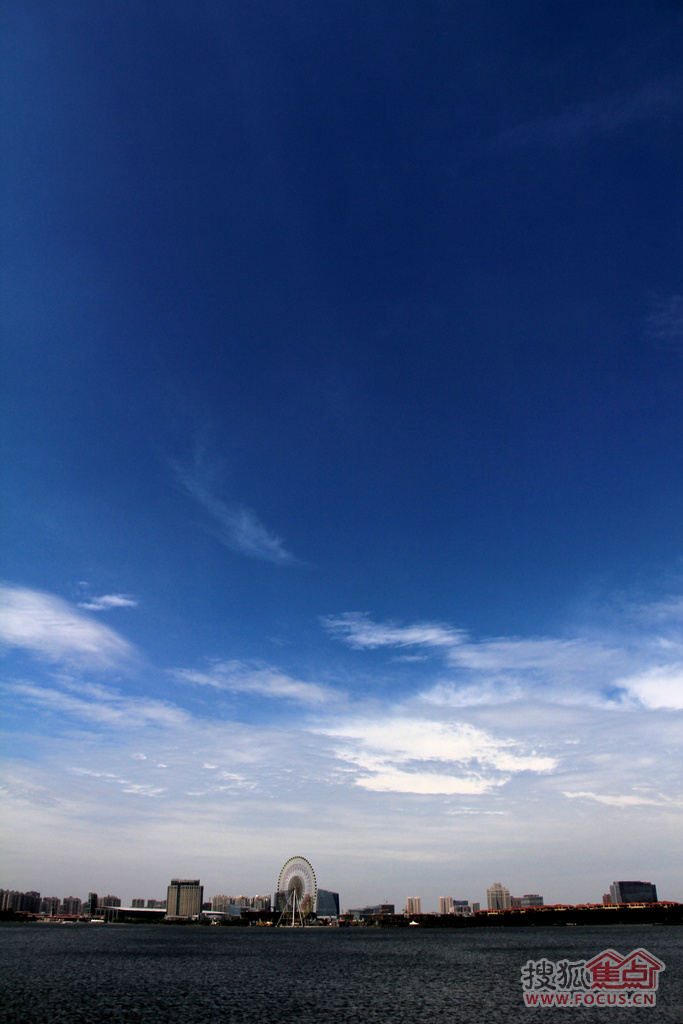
{"points": [[327, 903], [379, 910], [633, 892]]}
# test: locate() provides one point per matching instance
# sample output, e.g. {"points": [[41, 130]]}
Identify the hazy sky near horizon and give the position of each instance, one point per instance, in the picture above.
{"points": [[342, 446]]}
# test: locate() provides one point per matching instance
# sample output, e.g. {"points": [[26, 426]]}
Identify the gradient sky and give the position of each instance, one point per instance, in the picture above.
{"points": [[342, 447]]}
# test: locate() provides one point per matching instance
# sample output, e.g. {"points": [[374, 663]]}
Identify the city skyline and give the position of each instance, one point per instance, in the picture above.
{"points": [[498, 897], [342, 449]]}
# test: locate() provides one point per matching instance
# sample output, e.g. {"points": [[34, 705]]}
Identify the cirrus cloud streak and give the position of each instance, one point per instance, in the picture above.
{"points": [[239, 528], [260, 680]]}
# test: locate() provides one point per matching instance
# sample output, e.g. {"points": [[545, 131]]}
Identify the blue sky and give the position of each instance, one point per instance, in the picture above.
{"points": [[342, 446]]}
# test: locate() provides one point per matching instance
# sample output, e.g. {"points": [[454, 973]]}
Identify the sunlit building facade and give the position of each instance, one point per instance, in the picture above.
{"points": [[184, 898]]}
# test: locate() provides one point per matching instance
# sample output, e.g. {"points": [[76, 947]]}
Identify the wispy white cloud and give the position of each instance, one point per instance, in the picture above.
{"points": [[419, 755], [489, 692], [661, 618], [552, 736], [127, 786], [342, 782], [108, 601], [106, 707], [602, 117], [359, 631], [239, 527], [617, 799], [589, 671], [669, 610], [53, 630], [412, 739], [427, 783], [526, 654], [262, 680]]}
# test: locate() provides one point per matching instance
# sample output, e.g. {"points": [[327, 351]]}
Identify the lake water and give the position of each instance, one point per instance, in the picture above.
{"points": [[84, 974]]}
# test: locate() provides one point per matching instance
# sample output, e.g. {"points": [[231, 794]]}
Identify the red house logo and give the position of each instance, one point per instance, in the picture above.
{"points": [[638, 970]]}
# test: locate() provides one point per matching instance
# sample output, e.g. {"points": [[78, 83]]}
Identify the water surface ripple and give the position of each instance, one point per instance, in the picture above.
{"points": [[82, 974]]}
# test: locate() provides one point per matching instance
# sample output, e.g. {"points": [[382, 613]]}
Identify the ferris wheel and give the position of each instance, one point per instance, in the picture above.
{"points": [[296, 892]]}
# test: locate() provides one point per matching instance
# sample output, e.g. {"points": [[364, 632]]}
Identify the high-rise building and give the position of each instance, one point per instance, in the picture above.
{"points": [[156, 904], [109, 901], [49, 905], [221, 903], [184, 898], [413, 905], [71, 905], [476, 907], [137, 903], [12, 899], [92, 903], [531, 899], [32, 901], [447, 905], [498, 897], [9, 898], [633, 892], [327, 903]]}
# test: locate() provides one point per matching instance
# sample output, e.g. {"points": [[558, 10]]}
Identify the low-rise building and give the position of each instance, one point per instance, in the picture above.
{"points": [[376, 910]]}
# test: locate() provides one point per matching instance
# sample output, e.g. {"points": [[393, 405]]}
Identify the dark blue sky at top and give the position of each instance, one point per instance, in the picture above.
{"points": [[391, 268]]}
